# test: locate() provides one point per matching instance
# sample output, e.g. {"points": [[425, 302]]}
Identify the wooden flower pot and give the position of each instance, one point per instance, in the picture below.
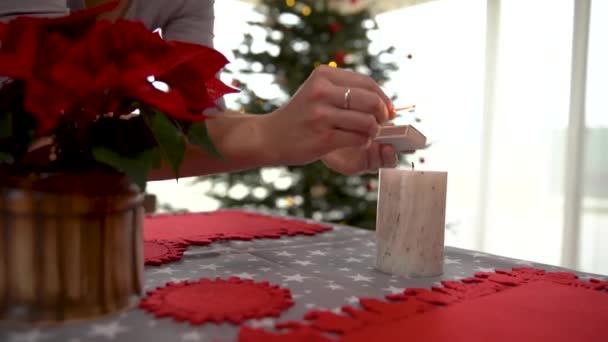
{"points": [[71, 246]]}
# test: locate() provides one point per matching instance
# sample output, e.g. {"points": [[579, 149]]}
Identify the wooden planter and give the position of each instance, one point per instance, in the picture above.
{"points": [[71, 246]]}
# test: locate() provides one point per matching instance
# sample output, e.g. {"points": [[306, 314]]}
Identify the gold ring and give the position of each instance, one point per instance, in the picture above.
{"points": [[347, 99]]}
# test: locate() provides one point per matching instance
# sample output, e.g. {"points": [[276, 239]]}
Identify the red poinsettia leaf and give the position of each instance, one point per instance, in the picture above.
{"points": [[3, 29], [170, 103], [10, 66], [203, 65], [195, 78], [217, 89], [45, 104], [19, 48], [72, 79], [199, 94]]}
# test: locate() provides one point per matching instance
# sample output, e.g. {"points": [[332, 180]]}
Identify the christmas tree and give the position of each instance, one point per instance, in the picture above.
{"points": [[301, 35]]}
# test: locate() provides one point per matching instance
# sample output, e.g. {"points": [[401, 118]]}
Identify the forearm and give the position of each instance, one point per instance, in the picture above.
{"points": [[241, 139]]}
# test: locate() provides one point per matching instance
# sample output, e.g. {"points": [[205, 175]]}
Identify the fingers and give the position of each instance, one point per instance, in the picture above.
{"points": [[337, 139], [374, 161], [388, 155], [379, 155], [361, 100], [348, 79], [352, 121]]}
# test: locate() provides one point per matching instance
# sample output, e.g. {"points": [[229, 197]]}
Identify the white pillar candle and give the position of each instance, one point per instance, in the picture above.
{"points": [[410, 222]]}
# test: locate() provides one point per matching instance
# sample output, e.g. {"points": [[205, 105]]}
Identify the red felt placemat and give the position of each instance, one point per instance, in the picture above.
{"points": [[219, 300], [203, 228], [159, 252], [522, 305]]}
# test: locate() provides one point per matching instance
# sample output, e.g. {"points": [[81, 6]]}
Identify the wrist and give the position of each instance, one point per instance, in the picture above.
{"points": [[268, 145], [245, 139]]}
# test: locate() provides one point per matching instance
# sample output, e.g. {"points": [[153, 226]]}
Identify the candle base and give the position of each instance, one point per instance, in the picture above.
{"points": [[410, 222]]}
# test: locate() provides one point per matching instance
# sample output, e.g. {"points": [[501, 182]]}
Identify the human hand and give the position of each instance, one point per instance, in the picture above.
{"points": [[353, 161], [324, 116]]}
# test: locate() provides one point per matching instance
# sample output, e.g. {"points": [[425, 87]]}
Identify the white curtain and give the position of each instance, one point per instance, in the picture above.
{"points": [[495, 86]]}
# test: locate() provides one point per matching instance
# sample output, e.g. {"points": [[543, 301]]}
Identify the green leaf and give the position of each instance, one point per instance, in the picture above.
{"points": [[169, 137], [6, 157], [6, 125], [198, 135], [137, 168]]}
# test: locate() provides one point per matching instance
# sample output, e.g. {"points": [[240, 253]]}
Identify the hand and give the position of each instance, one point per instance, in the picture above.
{"points": [[352, 161], [320, 119]]}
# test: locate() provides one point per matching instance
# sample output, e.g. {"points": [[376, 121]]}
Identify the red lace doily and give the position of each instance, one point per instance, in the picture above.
{"points": [[218, 300], [203, 228], [522, 305], [159, 252]]}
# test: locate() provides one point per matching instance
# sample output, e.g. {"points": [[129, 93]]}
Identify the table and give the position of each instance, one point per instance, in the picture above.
{"points": [[328, 271]]}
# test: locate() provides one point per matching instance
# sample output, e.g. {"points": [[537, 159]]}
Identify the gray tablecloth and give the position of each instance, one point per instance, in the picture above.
{"points": [[325, 271]]}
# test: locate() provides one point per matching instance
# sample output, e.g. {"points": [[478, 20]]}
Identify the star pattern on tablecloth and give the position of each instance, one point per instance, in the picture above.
{"points": [[317, 252], [262, 323], [177, 280], [193, 336], [109, 330], [524, 263], [352, 300], [284, 253], [483, 269], [295, 277], [165, 270], [358, 277], [351, 259], [448, 261], [28, 336], [392, 289], [334, 286], [244, 275], [477, 255], [303, 262]]}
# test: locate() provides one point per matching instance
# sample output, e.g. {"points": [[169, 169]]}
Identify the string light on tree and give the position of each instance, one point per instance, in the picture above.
{"points": [[306, 11], [334, 27]]}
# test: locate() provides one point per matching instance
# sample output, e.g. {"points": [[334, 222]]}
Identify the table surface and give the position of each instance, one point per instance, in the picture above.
{"points": [[325, 271]]}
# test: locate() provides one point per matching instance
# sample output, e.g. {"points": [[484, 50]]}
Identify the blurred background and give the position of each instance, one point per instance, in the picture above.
{"points": [[509, 93]]}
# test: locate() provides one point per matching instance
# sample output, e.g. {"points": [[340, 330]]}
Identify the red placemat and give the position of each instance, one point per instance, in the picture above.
{"points": [[218, 300], [159, 252], [522, 305], [203, 228]]}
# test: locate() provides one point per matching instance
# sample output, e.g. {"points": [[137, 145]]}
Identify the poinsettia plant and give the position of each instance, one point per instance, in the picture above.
{"points": [[78, 93]]}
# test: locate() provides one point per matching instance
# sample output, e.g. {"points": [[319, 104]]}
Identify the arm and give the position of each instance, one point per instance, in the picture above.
{"points": [[241, 139], [9, 9], [311, 125]]}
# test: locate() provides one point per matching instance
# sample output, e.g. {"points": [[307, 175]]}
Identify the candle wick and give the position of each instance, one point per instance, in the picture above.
{"points": [[412, 166]]}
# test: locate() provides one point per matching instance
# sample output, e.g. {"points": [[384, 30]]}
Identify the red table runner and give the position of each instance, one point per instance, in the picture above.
{"points": [[181, 230], [522, 305]]}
